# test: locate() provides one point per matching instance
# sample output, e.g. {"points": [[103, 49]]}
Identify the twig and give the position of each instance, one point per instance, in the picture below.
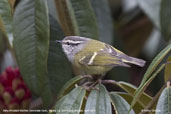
{"points": [[87, 83], [109, 82], [88, 76], [92, 85]]}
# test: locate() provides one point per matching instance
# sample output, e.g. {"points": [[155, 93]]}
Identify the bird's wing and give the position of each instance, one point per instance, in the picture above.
{"points": [[103, 57], [125, 58]]}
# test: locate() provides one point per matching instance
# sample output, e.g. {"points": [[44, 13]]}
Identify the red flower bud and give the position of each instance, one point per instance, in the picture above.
{"points": [[13, 92], [7, 97], [15, 83], [20, 93]]}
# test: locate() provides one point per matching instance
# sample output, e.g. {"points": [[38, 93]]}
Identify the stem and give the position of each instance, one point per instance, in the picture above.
{"points": [[88, 76], [87, 83], [109, 82], [96, 82]]}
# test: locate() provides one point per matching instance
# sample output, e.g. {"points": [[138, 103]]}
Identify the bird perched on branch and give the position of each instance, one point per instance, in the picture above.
{"points": [[92, 57]]}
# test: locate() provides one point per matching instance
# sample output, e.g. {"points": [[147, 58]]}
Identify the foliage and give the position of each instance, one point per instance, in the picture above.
{"points": [[29, 29]]}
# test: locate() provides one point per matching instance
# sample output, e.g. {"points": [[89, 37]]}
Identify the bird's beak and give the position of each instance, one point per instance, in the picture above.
{"points": [[58, 41]]}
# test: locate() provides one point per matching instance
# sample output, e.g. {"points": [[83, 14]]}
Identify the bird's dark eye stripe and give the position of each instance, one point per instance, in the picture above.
{"points": [[71, 43], [66, 43]]}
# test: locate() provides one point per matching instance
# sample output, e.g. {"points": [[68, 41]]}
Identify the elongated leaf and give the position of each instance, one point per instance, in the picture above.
{"points": [[83, 17], [167, 75], [137, 108], [6, 20], [155, 63], [104, 20], [59, 68], [65, 18], [31, 31], [164, 102], [152, 9], [140, 90], [98, 102], [165, 19], [69, 85], [119, 104], [71, 103], [77, 18], [2, 43], [52, 9], [144, 98], [149, 71]]}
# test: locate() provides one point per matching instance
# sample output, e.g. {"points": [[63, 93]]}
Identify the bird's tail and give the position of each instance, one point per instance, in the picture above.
{"points": [[135, 61]]}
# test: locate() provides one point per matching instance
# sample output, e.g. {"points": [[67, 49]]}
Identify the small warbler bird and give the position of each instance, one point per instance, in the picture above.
{"points": [[92, 57]]}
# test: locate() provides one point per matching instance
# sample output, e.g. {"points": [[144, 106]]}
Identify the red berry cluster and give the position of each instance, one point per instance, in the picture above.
{"points": [[13, 92]]}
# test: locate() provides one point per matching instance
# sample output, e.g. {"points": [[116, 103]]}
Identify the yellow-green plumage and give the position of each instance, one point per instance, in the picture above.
{"points": [[102, 62], [93, 57], [92, 69]]}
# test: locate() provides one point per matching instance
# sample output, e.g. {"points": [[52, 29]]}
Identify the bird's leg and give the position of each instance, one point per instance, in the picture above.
{"points": [[92, 86], [86, 85]]}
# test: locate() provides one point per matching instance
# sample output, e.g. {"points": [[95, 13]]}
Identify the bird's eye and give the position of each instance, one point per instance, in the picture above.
{"points": [[67, 43]]}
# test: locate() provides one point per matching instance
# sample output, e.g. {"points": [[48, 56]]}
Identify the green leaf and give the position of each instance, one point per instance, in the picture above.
{"points": [[83, 18], [144, 98], [152, 9], [72, 102], [65, 18], [77, 18], [164, 102], [140, 90], [52, 9], [98, 102], [70, 85], [2, 43], [152, 67], [59, 68], [167, 72], [6, 20], [104, 20], [137, 108], [31, 43], [154, 64], [165, 19], [120, 105]]}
